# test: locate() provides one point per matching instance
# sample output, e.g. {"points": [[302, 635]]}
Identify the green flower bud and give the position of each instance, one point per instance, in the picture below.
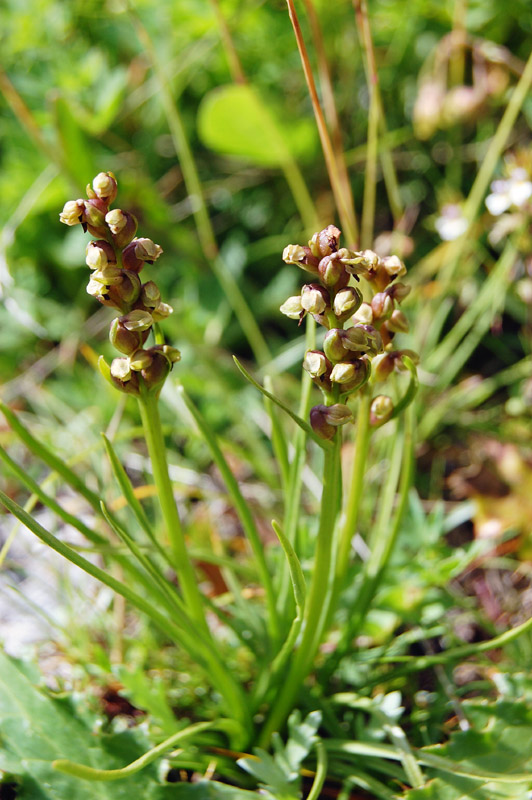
{"points": [[150, 295], [292, 307], [125, 294], [105, 187], [162, 311], [332, 272], [128, 342], [156, 373], [362, 339], [93, 217], [346, 301], [381, 410], [382, 366], [137, 320], [398, 291], [72, 212], [359, 261], [333, 346], [108, 276], [393, 266], [171, 353], [139, 251], [301, 257], [314, 299], [325, 242]]}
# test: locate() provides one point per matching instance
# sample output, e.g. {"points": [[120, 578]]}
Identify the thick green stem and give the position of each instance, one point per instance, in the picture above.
{"points": [[319, 598], [151, 422], [358, 470]]}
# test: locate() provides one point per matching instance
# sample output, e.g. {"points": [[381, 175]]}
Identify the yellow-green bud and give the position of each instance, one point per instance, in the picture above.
{"points": [[381, 410], [382, 366], [105, 186], [147, 250], [382, 306], [314, 298], [346, 301], [343, 372], [140, 360], [150, 295], [162, 311], [122, 225], [99, 254], [109, 276], [315, 363], [301, 257], [363, 315], [393, 266], [96, 289]]}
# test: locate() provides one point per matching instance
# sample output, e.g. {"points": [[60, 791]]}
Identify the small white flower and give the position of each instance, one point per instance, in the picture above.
{"points": [[514, 191], [451, 223]]}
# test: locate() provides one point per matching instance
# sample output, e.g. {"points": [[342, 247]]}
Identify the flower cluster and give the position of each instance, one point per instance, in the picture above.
{"points": [[115, 259], [358, 342]]}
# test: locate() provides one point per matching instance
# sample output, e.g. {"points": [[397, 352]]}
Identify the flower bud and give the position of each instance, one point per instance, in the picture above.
{"points": [[314, 298], [351, 375], [156, 373], [171, 353], [344, 372], [382, 366], [382, 306], [360, 261], [333, 346], [363, 315], [292, 307], [346, 301], [125, 341], [108, 276], [394, 266], [332, 272], [137, 320], [122, 376], [140, 360], [125, 294], [162, 311], [315, 363], [150, 295], [325, 419], [72, 212], [398, 291], [105, 187], [381, 410], [301, 257], [123, 226], [325, 242], [121, 369], [100, 254], [398, 322], [93, 217], [97, 290], [362, 339], [139, 251]]}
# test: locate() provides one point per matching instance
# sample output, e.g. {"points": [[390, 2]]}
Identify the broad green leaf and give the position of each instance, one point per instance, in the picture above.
{"points": [[235, 120]]}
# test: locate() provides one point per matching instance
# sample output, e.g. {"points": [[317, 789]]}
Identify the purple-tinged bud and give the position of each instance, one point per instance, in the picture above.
{"points": [[333, 345], [94, 217], [316, 363], [122, 376], [105, 187], [140, 251], [100, 254], [301, 257], [325, 242], [343, 372], [150, 296], [363, 315], [156, 373], [382, 306], [381, 410], [351, 375], [325, 419], [398, 322], [346, 302], [72, 213], [359, 262], [126, 293], [137, 320], [122, 225], [292, 307], [162, 311], [398, 291], [332, 272], [171, 353], [127, 342], [314, 298]]}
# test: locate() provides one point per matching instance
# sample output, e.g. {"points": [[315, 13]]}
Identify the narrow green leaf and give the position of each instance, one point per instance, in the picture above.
{"points": [[49, 501], [296, 573], [412, 389], [326, 445]]}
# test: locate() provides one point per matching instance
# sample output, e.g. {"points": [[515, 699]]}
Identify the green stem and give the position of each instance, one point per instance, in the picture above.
{"points": [[151, 422], [319, 597], [354, 497]]}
